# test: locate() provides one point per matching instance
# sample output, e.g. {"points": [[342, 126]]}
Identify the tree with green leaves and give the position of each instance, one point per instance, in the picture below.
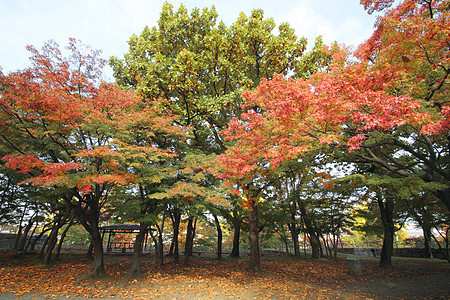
{"points": [[62, 127], [202, 67]]}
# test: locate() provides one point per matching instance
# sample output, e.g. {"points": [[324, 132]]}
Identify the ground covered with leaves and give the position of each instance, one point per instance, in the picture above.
{"points": [[206, 278]]}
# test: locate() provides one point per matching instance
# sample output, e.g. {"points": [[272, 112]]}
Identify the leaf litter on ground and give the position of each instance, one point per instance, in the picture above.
{"points": [[204, 278]]}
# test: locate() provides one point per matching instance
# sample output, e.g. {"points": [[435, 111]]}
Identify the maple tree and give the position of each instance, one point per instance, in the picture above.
{"points": [[410, 48], [201, 66], [96, 147], [387, 107], [62, 125]]}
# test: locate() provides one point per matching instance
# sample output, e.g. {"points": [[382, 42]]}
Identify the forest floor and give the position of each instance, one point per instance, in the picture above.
{"points": [[206, 278]]}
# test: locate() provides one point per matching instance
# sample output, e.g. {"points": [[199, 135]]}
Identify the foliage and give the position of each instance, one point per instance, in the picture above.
{"points": [[376, 108], [68, 132], [201, 67]]}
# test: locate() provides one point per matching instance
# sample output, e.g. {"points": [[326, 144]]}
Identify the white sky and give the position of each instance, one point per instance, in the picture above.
{"points": [[108, 24]]}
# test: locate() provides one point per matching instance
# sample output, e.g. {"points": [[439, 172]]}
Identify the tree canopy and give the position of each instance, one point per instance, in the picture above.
{"points": [[236, 126]]}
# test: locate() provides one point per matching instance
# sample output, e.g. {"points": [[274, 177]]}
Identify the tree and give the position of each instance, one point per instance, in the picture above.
{"points": [[387, 107], [361, 105], [61, 123], [149, 142], [201, 67], [409, 52]]}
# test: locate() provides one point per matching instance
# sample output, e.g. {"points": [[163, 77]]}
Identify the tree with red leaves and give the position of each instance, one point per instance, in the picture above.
{"points": [[358, 104], [387, 104], [62, 127]]}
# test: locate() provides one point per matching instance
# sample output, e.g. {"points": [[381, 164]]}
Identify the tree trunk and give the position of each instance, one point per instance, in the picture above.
{"points": [[219, 238], [160, 247], [155, 241], [387, 216], [427, 242], [304, 243], [326, 245], [236, 236], [172, 246], [87, 210], [315, 245], [444, 196], [335, 245], [137, 250], [44, 245], [161, 244], [189, 241], [27, 246], [53, 239], [190, 235], [286, 246], [19, 231], [320, 235], [23, 237], [313, 238], [255, 258], [34, 242], [444, 251], [90, 252], [63, 236], [176, 218], [18, 236], [294, 234], [98, 268]]}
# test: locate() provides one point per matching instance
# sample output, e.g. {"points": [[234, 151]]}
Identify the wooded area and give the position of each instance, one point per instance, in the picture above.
{"points": [[239, 131]]}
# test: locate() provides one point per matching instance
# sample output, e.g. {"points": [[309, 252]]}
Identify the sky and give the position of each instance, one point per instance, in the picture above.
{"points": [[108, 24]]}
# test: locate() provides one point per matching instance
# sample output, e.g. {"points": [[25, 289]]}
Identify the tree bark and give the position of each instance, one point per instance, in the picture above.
{"points": [[255, 258], [236, 235], [286, 245], [387, 217], [18, 236], [427, 242], [63, 236], [444, 251], [293, 228], [219, 238], [90, 252], [160, 247], [155, 241], [27, 246], [444, 196], [176, 218], [315, 245], [98, 268], [137, 250], [313, 237], [34, 242], [23, 237], [44, 245], [53, 239], [161, 244], [335, 245], [87, 210], [19, 231], [188, 246]]}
